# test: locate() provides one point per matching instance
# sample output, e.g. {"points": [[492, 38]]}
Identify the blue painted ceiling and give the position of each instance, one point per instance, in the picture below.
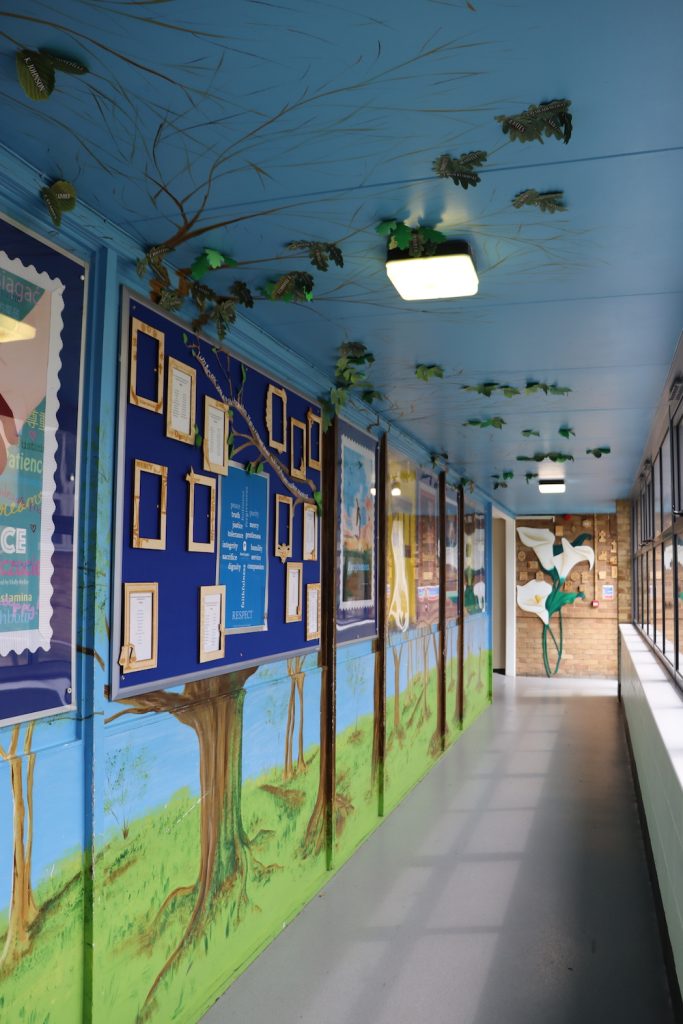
{"points": [[317, 120]]}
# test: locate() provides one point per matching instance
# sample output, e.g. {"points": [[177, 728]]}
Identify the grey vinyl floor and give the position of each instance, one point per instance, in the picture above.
{"points": [[510, 887]]}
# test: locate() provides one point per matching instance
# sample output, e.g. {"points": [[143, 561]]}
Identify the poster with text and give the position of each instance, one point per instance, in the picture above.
{"points": [[39, 374], [357, 535], [243, 549]]}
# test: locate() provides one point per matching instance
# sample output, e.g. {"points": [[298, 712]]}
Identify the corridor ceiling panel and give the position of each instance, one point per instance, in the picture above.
{"points": [[262, 123]]}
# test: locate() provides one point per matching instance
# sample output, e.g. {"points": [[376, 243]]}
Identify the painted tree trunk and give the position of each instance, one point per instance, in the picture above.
{"points": [[23, 911]]}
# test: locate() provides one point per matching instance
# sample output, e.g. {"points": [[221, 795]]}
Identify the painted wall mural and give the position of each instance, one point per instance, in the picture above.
{"points": [[547, 599], [477, 665]]}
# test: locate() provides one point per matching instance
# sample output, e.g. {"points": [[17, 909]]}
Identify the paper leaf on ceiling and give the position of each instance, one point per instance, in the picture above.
{"points": [[460, 169], [566, 432], [530, 476], [66, 64], [36, 71], [598, 452], [530, 433], [532, 386], [495, 421], [419, 241], [551, 119], [36, 74], [466, 481], [210, 259], [546, 202], [501, 479], [437, 458], [319, 253], [541, 456], [488, 387], [425, 371], [294, 286], [59, 197]]}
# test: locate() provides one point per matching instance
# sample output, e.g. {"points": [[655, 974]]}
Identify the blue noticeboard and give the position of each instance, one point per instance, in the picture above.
{"points": [[189, 517], [243, 554], [42, 296]]}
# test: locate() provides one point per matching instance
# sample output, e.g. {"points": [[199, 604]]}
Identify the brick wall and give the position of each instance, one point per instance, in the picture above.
{"points": [[589, 633]]}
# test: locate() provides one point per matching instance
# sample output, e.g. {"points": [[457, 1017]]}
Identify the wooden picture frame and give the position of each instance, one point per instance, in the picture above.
{"points": [[275, 392], [208, 620], [213, 409], [139, 327], [309, 532], [297, 472], [194, 480], [136, 596], [294, 591], [315, 421], [283, 551], [180, 423], [313, 606], [157, 543]]}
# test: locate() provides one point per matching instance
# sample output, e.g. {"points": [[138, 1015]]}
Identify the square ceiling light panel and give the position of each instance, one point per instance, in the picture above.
{"points": [[449, 274]]}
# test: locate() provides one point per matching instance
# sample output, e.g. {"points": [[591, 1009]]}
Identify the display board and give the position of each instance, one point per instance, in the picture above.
{"points": [[218, 522], [42, 297], [427, 567], [356, 534], [451, 555]]}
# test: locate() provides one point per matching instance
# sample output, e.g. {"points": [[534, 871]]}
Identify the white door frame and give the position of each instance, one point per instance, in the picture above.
{"points": [[510, 592]]}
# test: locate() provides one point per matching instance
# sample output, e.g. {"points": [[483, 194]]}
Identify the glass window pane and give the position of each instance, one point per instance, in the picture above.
{"points": [[657, 484], [666, 482], [659, 607], [668, 645], [649, 625]]}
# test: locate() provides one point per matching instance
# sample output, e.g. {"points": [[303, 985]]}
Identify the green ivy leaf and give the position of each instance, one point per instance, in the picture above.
{"points": [[36, 74], [486, 389], [598, 452], [509, 391], [318, 499], [555, 390], [566, 432], [425, 371], [198, 439], [370, 396], [508, 475], [386, 227], [559, 457], [402, 235], [59, 197], [530, 476], [530, 433], [546, 202]]}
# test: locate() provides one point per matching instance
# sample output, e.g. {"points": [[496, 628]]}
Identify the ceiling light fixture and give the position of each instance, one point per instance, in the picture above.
{"points": [[448, 274], [373, 490], [15, 330], [550, 486], [395, 488]]}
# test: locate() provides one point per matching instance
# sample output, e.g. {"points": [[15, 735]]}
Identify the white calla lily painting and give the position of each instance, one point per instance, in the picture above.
{"points": [[547, 599]]}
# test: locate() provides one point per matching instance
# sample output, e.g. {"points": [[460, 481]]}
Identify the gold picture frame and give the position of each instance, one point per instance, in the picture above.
{"points": [[134, 616], [294, 591], [212, 407], [181, 428], [297, 472], [309, 532], [313, 611], [139, 327], [206, 621], [283, 551], [154, 543], [275, 391], [314, 420], [194, 480]]}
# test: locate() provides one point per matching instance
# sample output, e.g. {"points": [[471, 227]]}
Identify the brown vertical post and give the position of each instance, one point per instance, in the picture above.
{"points": [[381, 643], [460, 698], [328, 634], [441, 667]]}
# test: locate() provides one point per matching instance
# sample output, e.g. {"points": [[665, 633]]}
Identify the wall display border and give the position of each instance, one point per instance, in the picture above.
{"points": [[243, 534], [51, 653]]}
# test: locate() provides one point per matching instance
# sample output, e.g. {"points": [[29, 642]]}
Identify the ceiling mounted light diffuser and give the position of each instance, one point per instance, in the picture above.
{"points": [[449, 274], [15, 330], [550, 486]]}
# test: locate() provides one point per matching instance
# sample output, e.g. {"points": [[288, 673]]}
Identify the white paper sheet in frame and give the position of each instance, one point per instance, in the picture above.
{"points": [[29, 376], [211, 623]]}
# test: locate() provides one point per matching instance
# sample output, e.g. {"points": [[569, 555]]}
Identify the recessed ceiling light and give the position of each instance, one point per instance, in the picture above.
{"points": [[15, 330], [395, 489], [449, 274], [550, 486]]}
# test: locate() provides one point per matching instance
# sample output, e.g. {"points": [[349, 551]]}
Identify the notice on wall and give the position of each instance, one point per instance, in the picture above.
{"points": [[243, 549], [608, 591]]}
